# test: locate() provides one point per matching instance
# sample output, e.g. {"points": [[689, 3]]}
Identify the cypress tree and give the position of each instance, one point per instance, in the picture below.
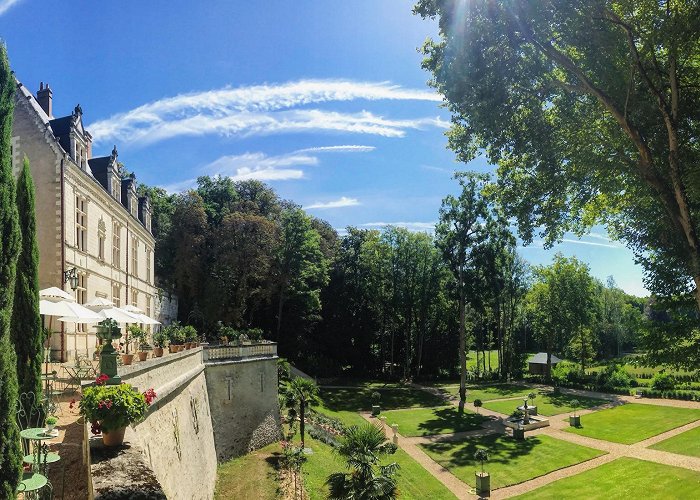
{"points": [[10, 451], [27, 334]]}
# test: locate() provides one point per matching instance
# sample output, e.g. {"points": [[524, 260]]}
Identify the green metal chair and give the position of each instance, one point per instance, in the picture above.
{"points": [[31, 413]]}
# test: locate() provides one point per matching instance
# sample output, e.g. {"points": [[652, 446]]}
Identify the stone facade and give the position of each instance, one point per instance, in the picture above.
{"points": [[244, 406], [88, 217]]}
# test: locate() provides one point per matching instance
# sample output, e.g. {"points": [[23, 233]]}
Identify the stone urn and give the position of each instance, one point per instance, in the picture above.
{"points": [[107, 331]]}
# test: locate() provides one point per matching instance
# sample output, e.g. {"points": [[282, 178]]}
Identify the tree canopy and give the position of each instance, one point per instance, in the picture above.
{"points": [[590, 110]]}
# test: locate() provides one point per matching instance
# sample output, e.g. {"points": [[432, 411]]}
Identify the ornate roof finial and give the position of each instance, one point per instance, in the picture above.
{"points": [[114, 152], [78, 111]]}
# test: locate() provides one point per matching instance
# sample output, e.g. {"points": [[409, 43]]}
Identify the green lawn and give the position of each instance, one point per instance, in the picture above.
{"points": [[623, 478], [429, 421], [687, 443], [348, 418], [632, 423], [547, 404], [415, 483], [510, 461], [355, 399], [489, 392], [250, 476], [492, 355]]}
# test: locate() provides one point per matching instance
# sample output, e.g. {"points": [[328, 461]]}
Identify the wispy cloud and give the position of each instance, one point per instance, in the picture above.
{"points": [[6, 4], [343, 201], [591, 243], [411, 226], [263, 109], [351, 148], [259, 166]]}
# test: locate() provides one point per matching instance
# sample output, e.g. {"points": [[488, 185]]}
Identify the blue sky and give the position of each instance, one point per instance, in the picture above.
{"points": [[324, 99]]}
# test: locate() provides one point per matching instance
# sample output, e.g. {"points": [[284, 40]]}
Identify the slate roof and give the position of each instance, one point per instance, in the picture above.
{"points": [[541, 359]]}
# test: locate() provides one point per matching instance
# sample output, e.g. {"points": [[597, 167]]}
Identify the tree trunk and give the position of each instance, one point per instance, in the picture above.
{"points": [[302, 408], [462, 345], [549, 363]]}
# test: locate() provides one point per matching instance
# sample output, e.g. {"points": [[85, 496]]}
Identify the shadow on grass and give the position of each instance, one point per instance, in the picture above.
{"points": [[502, 449], [502, 390], [354, 399], [564, 401], [449, 419]]}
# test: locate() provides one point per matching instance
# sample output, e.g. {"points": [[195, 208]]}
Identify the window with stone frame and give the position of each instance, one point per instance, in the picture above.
{"points": [[148, 311], [101, 237], [149, 256], [116, 295], [81, 297], [135, 298], [135, 256], [81, 223], [116, 245]]}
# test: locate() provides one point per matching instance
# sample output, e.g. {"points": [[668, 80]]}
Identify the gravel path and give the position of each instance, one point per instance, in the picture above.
{"points": [[558, 423]]}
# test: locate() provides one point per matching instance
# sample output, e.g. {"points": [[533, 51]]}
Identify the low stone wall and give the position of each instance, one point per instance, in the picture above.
{"points": [[244, 406], [175, 440]]}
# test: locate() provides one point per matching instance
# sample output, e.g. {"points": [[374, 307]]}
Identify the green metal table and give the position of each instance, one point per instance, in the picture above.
{"points": [[40, 457], [31, 485]]}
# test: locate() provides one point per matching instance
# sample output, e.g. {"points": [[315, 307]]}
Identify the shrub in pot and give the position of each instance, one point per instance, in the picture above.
{"points": [[483, 479], [160, 340], [140, 336], [376, 397], [575, 420], [189, 335], [110, 408], [478, 404]]}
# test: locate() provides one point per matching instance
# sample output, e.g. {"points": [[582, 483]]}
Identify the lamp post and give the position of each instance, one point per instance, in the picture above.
{"points": [[71, 276]]}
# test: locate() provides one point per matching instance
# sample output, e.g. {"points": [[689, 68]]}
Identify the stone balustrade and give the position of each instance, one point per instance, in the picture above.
{"points": [[254, 350]]}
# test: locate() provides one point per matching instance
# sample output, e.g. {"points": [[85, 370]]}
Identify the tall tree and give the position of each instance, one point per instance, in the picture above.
{"points": [[522, 77], [10, 241], [301, 392], [27, 332], [459, 232]]}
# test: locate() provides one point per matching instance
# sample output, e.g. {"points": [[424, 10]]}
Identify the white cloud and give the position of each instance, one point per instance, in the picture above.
{"points": [[411, 226], [6, 4], [337, 149], [179, 187], [590, 243], [263, 109], [343, 201]]}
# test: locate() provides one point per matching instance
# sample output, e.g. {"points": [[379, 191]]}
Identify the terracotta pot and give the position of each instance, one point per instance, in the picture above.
{"points": [[115, 437], [127, 359], [143, 355], [157, 352], [188, 345], [172, 348]]}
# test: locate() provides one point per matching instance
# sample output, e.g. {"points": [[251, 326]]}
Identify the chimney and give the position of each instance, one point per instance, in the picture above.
{"points": [[44, 98]]}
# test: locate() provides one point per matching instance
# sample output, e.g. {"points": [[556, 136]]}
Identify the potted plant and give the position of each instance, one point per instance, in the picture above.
{"points": [[50, 423], [127, 358], [175, 336], [140, 336], [483, 479], [189, 335], [575, 420], [160, 339], [478, 404], [110, 408], [376, 396], [532, 409]]}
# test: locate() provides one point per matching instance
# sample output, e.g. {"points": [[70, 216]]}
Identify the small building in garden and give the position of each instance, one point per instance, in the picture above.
{"points": [[537, 365]]}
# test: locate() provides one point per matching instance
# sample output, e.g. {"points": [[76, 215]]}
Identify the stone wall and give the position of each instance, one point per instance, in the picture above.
{"points": [[244, 406]]}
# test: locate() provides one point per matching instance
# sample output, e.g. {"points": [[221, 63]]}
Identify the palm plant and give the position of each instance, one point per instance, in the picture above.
{"points": [[362, 448], [301, 392]]}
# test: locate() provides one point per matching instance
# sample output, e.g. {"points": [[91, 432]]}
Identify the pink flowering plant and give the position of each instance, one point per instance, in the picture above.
{"points": [[110, 407]]}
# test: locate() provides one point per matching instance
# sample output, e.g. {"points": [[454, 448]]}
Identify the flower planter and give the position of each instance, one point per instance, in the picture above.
{"points": [[115, 437], [483, 484], [575, 421], [376, 410], [157, 352], [49, 428], [127, 359], [143, 355]]}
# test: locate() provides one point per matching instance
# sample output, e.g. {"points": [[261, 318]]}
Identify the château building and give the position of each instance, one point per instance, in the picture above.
{"points": [[90, 218]]}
